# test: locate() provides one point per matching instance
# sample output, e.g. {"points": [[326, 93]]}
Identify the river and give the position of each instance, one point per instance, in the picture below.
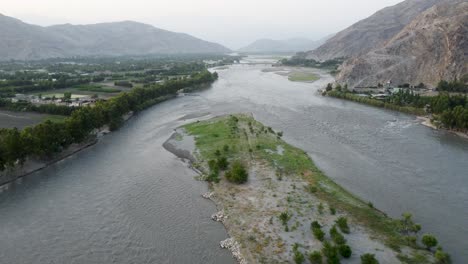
{"points": [[127, 200]]}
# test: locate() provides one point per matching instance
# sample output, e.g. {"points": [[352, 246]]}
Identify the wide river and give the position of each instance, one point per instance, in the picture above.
{"points": [[127, 200]]}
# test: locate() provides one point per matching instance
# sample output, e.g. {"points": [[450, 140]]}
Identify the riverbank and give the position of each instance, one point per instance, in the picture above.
{"points": [[418, 112], [284, 180], [32, 165]]}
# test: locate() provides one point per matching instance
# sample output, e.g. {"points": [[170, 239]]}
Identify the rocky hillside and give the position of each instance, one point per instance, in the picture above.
{"points": [[373, 31], [287, 45], [23, 41], [433, 46]]}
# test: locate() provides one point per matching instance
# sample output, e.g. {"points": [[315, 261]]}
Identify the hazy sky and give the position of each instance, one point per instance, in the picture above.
{"points": [[234, 23]]}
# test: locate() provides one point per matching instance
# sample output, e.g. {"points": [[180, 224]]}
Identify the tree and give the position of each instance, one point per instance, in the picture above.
{"points": [[345, 251], [315, 257], [429, 241], [67, 96], [237, 174], [369, 259]]}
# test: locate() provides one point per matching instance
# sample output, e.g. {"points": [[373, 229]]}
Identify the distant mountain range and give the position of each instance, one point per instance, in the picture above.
{"points": [[414, 41], [22, 41], [282, 46]]}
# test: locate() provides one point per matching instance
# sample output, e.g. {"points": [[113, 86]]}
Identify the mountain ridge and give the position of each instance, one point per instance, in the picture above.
{"points": [[23, 41]]}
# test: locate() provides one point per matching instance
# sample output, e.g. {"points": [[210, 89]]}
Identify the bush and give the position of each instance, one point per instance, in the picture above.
{"points": [[442, 257], [284, 217], [331, 253], [345, 251], [222, 163], [369, 259], [237, 174], [298, 257], [342, 223], [315, 257], [429, 241], [317, 231], [336, 236]]}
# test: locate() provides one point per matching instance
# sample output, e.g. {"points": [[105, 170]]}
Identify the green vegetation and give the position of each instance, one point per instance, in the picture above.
{"points": [[237, 174], [342, 223], [317, 231], [48, 138], [303, 77], [298, 256], [43, 108], [300, 60], [345, 251], [451, 111], [97, 89], [429, 241], [250, 140], [331, 253], [315, 257], [456, 86], [369, 259]]}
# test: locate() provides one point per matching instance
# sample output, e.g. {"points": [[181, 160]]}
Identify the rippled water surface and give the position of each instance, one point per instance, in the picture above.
{"points": [[127, 200]]}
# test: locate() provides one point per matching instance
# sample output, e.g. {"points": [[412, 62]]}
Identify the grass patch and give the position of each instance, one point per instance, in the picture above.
{"points": [[303, 77]]}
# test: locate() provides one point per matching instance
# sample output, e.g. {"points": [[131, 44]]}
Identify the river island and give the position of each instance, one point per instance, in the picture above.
{"points": [[277, 206]]}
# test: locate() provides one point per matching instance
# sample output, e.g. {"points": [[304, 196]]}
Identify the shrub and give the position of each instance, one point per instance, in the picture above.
{"points": [[442, 257], [298, 257], [222, 163], [333, 212], [345, 251], [342, 223], [429, 241], [315, 224], [318, 234], [284, 217], [369, 259], [315, 257], [237, 174], [336, 236], [226, 148], [331, 253]]}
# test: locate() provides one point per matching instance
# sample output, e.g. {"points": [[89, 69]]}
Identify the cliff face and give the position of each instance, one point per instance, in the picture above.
{"points": [[22, 41], [371, 32], [432, 47]]}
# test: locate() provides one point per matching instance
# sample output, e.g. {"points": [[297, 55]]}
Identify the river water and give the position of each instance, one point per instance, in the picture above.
{"points": [[127, 200]]}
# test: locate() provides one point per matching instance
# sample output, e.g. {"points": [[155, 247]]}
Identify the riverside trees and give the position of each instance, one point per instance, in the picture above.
{"points": [[48, 138]]}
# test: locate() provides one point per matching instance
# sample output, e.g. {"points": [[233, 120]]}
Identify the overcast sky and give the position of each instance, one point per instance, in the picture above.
{"points": [[233, 23]]}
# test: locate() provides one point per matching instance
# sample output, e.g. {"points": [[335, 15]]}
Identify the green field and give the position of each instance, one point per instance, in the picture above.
{"points": [[303, 77]]}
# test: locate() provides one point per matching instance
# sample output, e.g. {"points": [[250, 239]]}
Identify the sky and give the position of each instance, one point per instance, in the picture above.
{"points": [[233, 23]]}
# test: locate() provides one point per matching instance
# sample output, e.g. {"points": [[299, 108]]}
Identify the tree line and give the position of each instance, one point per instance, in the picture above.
{"points": [[451, 111], [48, 138], [21, 106]]}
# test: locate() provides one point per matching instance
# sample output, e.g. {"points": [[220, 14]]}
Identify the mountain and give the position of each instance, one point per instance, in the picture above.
{"points": [[288, 45], [23, 41], [371, 32], [430, 48]]}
